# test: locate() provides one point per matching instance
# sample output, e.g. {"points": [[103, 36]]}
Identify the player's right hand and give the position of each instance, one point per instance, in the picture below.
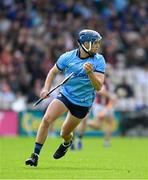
{"points": [[44, 93]]}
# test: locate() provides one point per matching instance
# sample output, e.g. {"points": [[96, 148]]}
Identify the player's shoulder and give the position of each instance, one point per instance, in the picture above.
{"points": [[99, 56], [70, 53]]}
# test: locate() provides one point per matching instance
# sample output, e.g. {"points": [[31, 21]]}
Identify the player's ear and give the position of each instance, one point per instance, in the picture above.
{"points": [[86, 44]]}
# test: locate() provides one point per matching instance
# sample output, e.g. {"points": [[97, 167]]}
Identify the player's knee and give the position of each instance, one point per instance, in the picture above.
{"points": [[63, 134], [46, 120], [66, 135]]}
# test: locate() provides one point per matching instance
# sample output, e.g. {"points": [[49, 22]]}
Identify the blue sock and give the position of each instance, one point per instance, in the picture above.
{"points": [[38, 148]]}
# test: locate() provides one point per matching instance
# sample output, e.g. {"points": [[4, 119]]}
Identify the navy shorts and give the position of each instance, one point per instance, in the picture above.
{"points": [[76, 110]]}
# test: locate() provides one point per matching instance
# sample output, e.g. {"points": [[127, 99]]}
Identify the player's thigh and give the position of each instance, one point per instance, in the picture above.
{"points": [[110, 118], [70, 123], [83, 123], [54, 110]]}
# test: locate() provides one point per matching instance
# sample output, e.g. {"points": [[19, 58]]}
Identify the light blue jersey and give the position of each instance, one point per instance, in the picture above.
{"points": [[79, 90]]}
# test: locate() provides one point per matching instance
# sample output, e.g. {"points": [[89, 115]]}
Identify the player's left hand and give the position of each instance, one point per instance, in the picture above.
{"points": [[88, 67]]}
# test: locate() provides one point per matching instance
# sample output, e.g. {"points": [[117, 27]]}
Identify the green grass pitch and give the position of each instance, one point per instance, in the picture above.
{"points": [[127, 158]]}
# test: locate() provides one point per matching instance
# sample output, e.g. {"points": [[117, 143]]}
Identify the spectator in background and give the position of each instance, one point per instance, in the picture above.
{"points": [[34, 92], [125, 94], [124, 89], [19, 104], [7, 96]]}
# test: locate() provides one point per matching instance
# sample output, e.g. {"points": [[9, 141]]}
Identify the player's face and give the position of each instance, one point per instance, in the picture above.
{"points": [[96, 46]]}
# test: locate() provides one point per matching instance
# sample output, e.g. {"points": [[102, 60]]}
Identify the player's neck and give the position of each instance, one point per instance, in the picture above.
{"points": [[83, 54]]}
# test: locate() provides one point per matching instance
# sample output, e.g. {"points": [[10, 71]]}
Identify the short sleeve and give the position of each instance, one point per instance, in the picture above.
{"points": [[61, 62], [101, 66]]}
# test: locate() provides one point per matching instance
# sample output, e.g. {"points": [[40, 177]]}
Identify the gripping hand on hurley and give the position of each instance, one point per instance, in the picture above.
{"points": [[96, 79], [44, 93], [88, 67]]}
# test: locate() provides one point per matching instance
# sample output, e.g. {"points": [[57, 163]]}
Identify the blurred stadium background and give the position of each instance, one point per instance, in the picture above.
{"points": [[34, 33]]}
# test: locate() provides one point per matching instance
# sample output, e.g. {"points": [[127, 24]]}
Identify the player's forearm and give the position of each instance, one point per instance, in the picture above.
{"points": [[96, 82]]}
